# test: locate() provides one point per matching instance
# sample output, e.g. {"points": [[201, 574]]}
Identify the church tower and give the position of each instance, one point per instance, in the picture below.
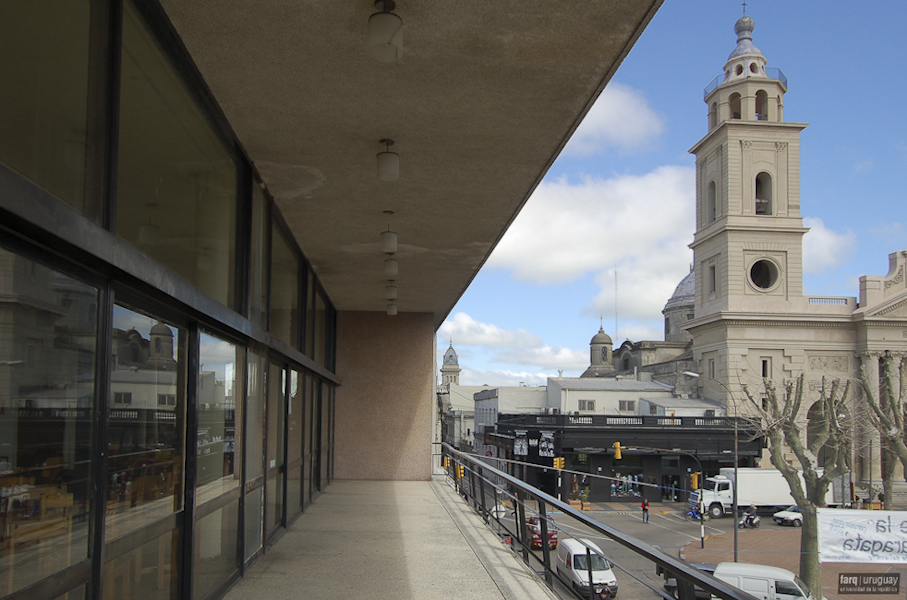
{"points": [[747, 248], [450, 367], [749, 232]]}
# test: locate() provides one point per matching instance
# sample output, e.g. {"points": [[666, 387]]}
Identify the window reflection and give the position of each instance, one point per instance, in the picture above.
{"points": [[176, 191], [218, 460], [47, 362], [145, 448], [44, 96], [149, 572]]}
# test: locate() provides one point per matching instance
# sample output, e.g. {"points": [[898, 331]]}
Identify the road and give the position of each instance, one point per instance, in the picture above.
{"points": [[666, 530]]}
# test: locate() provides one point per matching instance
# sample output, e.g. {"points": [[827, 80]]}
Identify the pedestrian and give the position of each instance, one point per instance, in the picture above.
{"points": [[645, 510]]}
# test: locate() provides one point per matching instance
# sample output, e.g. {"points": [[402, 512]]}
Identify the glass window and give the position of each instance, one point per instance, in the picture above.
{"points": [[284, 289], [275, 447], [309, 312], [216, 557], [47, 390], [44, 96], [320, 328], [177, 180], [254, 451], [145, 440], [295, 424], [149, 572], [218, 462], [258, 265]]}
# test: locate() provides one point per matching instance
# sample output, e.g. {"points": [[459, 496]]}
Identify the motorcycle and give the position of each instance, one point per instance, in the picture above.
{"points": [[693, 515], [749, 521]]}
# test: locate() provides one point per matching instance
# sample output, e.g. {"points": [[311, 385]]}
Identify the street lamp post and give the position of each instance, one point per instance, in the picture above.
{"points": [[730, 397]]}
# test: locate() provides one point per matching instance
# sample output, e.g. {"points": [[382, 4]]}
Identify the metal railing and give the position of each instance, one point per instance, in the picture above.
{"points": [[487, 489], [771, 73]]}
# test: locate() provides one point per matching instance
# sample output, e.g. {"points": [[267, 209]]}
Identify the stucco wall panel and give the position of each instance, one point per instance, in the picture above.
{"points": [[383, 423]]}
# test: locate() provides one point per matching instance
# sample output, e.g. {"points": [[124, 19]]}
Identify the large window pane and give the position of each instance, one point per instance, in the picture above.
{"points": [[149, 572], [275, 444], [147, 421], [216, 550], [284, 290], [44, 94], [320, 328], [177, 185], [219, 457], [258, 276], [294, 445], [48, 329]]}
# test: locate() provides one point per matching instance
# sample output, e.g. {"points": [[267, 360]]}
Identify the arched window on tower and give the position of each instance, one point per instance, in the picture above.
{"points": [[761, 105], [713, 116], [712, 203], [763, 194], [734, 103]]}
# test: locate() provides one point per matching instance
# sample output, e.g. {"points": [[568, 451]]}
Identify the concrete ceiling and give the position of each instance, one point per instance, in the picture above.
{"points": [[482, 101]]}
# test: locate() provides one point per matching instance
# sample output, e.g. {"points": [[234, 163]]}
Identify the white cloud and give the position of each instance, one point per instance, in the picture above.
{"points": [[824, 248], [620, 119], [547, 357], [503, 378], [464, 330], [568, 230]]}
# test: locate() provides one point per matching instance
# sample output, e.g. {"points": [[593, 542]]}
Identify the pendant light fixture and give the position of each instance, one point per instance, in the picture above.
{"points": [[388, 241], [390, 290], [391, 266], [388, 162], [385, 33], [392, 309]]}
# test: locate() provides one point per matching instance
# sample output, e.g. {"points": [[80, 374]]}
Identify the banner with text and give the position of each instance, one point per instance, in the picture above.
{"points": [[862, 536]]}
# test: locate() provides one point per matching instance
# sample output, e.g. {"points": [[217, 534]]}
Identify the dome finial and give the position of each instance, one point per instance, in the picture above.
{"points": [[744, 9]]}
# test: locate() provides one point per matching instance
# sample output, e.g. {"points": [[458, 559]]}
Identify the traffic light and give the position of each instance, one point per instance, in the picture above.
{"points": [[446, 462], [694, 480], [617, 449], [460, 471], [558, 462]]}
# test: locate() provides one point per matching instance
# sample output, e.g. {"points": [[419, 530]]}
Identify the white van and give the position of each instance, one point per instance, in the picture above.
{"points": [[573, 566], [765, 583]]}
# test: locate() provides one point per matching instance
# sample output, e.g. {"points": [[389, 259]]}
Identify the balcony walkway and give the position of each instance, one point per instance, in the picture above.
{"points": [[389, 539]]}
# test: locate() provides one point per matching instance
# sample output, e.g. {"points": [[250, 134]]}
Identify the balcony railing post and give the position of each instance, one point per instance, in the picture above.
{"points": [[521, 525], [546, 550]]}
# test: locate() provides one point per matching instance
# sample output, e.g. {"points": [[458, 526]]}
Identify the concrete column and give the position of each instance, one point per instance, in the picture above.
{"points": [[872, 459]]}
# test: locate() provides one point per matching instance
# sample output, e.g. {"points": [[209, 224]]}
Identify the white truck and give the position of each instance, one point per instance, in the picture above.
{"points": [[766, 488]]}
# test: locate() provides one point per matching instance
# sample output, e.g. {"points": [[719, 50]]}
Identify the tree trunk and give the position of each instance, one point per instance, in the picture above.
{"points": [[810, 569]]}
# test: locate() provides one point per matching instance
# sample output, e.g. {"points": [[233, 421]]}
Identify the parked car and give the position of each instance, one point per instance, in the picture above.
{"points": [[789, 516], [534, 526], [573, 566], [763, 582], [670, 584]]}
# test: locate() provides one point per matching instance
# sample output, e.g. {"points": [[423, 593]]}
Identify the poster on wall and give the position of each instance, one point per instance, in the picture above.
{"points": [[546, 444], [520, 443], [862, 536]]}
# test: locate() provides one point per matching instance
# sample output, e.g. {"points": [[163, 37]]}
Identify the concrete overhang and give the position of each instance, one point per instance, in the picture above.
{"points": [[483, 99]]}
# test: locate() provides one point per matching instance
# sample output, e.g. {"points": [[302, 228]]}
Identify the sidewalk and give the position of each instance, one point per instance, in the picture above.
{"points": [[408, 540]]}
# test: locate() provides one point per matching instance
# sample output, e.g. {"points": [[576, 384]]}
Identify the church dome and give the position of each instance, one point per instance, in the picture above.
{"points": [[745, 47], [161, 329], [684, 293], [450, 357], [601, 337]]}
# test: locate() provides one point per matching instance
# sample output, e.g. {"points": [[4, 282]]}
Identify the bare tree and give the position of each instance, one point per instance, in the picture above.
{"points": [[779, 418], [887, 415]]}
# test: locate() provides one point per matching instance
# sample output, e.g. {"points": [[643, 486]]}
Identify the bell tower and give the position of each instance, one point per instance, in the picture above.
{"points": [[748, 241]]}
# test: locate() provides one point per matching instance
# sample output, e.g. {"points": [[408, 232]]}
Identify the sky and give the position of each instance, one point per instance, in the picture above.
{"points": [[603, 241]]}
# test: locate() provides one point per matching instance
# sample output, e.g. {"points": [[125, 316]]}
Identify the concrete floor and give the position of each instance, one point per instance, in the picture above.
{"points": [[389, 539]]}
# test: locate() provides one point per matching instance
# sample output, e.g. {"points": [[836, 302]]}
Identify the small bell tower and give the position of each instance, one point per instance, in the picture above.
{"points": [[749, 233]]}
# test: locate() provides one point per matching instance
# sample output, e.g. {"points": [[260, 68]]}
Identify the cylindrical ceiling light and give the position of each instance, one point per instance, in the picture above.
{"points": [[392, 309], [390, 291], [391, 267], [388, 242], [385, 33], [388, 163]]}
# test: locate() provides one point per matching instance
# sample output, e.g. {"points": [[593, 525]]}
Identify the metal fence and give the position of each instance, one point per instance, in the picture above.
{"points": [[516, 511]]}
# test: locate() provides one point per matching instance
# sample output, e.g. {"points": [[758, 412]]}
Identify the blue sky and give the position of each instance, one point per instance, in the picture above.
{"points": [[621, 198]]}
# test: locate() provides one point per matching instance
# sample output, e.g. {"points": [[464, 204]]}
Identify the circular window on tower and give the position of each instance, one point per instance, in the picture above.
{"points": [[764, 274]]}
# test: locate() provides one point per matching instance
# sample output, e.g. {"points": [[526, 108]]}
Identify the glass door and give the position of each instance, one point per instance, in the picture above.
{"points": [[276, 448]]}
